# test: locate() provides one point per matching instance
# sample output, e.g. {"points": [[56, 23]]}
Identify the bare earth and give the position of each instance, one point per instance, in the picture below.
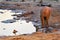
{"points": [[35, 36]]}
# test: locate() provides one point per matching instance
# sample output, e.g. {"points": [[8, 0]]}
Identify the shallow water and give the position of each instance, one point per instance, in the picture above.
{"points": [[21, 26]]}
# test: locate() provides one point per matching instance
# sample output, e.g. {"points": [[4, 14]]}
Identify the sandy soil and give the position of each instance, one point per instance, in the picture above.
{"points": [[35, 36]]}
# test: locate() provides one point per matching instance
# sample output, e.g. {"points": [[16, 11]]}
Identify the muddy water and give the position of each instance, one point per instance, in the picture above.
{"points": [[21, 26]]}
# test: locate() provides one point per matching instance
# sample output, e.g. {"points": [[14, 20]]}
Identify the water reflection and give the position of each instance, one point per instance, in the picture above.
{"points": [[8, 21], [8, 24]]}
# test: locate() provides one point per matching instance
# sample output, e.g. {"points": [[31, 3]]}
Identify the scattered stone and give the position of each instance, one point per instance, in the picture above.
{"points": [[14, 31]]}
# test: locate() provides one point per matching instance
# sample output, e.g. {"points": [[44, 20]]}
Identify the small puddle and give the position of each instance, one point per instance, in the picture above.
{"points": [[8, 25]]}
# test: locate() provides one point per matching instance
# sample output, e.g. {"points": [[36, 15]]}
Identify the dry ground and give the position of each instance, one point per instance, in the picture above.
{"points": [[35, 36]]}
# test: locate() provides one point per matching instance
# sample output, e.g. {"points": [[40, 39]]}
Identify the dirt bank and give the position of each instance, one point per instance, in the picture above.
{"points": [[35, 36]]}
